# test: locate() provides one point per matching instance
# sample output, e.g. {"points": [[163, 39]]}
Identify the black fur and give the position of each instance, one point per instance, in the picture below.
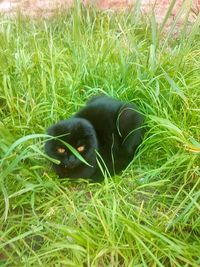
{"points": [[108, 126]]}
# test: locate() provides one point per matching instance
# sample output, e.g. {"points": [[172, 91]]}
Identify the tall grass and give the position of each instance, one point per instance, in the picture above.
{"points": [[148, 215]]}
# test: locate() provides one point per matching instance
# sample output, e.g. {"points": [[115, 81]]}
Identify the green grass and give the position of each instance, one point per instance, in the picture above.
{"points": [[147, 216]]}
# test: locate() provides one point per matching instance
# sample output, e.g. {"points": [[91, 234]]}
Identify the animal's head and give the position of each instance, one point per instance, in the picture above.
{"points": [[78, 133]]}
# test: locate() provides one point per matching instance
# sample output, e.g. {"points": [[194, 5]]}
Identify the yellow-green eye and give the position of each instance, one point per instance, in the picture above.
{"points": [[60, 150], [80, 148]]}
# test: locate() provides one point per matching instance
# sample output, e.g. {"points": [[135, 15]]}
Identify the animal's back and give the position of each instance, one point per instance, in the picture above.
{"points": [[102, 112]]}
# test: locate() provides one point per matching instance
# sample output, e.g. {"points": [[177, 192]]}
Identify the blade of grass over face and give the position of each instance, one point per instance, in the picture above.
{"points": [[75, 152], [148, 215]]}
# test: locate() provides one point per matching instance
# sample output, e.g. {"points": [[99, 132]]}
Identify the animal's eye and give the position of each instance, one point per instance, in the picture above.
{"points": [[80, 148], [60, 150]]}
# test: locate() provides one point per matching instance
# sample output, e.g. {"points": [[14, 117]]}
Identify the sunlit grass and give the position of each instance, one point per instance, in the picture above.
{"points": [[148, 215]]}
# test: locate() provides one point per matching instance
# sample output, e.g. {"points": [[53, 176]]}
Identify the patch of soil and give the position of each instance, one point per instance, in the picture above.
{"points": [[46, 8]]}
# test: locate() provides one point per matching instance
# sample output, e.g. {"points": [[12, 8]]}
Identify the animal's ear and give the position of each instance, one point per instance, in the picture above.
{"points": [[50, 130]]}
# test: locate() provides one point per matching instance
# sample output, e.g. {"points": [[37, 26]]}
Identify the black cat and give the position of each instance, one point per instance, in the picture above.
{"points": [[106, 132]]}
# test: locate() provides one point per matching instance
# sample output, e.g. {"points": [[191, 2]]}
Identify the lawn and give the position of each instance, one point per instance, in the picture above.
{"points": [[149, 215]]}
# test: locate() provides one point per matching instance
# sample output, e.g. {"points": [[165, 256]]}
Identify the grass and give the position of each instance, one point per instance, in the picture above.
{"points": [[148, 215]]}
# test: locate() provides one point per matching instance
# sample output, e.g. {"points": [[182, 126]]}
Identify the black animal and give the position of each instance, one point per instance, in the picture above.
{"points": [[106, 132]]}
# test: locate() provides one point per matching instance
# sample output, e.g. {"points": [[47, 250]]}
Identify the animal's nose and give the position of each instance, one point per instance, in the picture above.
{"points": [[71, 159], [66, 162], [69, 162]]}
